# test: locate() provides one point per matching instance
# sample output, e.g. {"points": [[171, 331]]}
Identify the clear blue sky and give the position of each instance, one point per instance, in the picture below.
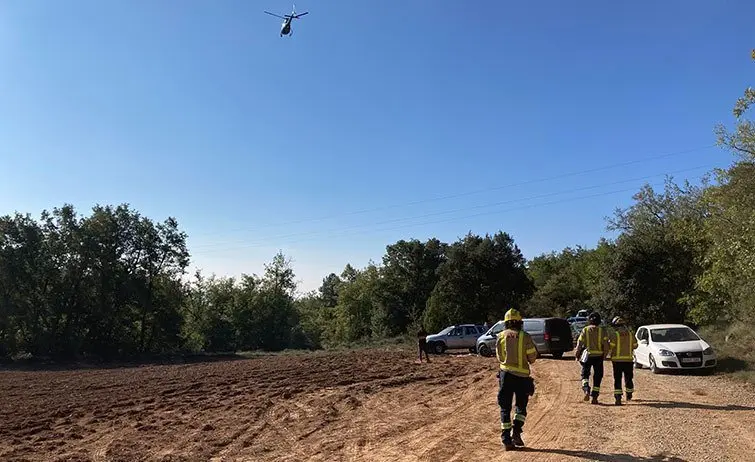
{"points": [[199, 110]]}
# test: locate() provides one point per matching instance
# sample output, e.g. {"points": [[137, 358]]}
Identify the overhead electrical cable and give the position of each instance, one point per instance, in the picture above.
{"points": [[371, 226], [461, 194]]}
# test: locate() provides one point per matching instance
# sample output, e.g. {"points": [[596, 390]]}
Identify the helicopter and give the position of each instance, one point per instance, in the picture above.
{"points": [[286, 26]]}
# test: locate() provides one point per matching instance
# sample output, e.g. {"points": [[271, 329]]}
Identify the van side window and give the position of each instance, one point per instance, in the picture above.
{"points": [[532, 326]]}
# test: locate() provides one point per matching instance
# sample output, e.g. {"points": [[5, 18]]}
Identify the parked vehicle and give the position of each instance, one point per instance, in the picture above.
{"points": [[672, 346], [462, 336], [576, 328], [486, 341], [551, 336]]}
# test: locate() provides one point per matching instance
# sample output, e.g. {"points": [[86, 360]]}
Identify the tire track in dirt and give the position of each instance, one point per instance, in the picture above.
{"points": [[547, 405], [668, 420], [339, 406], [101, 447], [458, 420], [443, 434]]}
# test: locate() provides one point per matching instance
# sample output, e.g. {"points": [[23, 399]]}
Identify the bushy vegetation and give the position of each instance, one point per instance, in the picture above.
{"points": [[112, 284]]}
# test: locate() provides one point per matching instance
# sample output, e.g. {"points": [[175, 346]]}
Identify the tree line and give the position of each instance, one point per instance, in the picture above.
{"points": [[113, 284]]}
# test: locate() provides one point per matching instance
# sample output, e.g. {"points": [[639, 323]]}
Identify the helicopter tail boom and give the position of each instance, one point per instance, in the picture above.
{"points": [[293, 12]]}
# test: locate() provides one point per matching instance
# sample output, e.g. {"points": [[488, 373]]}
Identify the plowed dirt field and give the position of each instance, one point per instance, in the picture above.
{"points": [[371, 405]]}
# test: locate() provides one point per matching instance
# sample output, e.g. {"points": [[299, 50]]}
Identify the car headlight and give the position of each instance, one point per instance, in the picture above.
{"points": [[708, 351], [666, 353]]}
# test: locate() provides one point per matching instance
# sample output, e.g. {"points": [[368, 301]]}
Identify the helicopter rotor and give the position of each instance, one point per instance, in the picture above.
{"points": [[288, 16], [276, 15]]}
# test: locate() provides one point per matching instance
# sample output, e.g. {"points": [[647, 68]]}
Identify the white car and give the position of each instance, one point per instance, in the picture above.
{"points": [[672, 346]]}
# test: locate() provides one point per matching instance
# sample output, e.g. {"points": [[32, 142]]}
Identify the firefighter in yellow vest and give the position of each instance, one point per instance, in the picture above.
{"points": [[515, 351], [593, 340], [623, 344]]}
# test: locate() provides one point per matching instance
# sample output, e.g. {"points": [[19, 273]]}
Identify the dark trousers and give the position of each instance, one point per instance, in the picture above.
{"points": [[422, 346], [511, 386], [596, 364], [626, 369]]}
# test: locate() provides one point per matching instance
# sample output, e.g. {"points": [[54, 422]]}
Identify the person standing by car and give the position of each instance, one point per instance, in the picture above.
{"points": [[592, 348], [515, 351], [422, 344], [623, 343]]}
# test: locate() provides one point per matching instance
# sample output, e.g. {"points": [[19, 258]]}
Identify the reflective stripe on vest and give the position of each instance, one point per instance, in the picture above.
{"points": [[522, 366], [598, 350], [628, 351]]}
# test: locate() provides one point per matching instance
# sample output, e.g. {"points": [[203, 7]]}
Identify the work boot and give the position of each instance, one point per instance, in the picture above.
{"points": [[594, 400], [506, 440], [587, 395], [517, 438], [618, 400], [629, 397]]}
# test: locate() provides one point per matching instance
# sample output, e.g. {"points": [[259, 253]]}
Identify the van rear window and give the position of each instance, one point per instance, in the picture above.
{"points": [[559, 324]]}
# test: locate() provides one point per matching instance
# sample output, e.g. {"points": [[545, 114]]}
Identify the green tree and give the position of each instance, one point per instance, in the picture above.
{"points": [[481, 278], [565, 282], [314, 316], [328, 291], [349, 274], [107, 284], [730, 225], [209, 314], [651, 275], [410, 273], [358, 303], [731, 258]]}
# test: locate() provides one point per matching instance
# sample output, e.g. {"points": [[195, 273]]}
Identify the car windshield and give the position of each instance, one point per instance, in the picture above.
{"points": [[497, 328], [446, 330], [576, 327], [673, 334]]}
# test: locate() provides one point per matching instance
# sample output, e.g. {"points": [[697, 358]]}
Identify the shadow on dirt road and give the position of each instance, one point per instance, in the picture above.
{"points": [[604, 457], [681, 405]]}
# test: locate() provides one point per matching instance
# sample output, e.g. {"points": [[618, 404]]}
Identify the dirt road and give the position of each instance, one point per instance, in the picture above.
{"points": [[365, 405]]}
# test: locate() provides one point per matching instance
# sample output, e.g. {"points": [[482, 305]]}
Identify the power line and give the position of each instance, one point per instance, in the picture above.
{"points": [[444, 212], [372, 231], [463, 194]]}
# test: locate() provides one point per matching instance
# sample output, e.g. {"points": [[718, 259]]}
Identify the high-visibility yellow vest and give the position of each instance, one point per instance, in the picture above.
{"points": [[594, 340], [622, 345], [515, 350]]}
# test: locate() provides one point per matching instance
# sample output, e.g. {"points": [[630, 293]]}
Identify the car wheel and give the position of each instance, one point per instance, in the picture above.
{"points": [[653, 367], [439, 348], [484, 350], [558, 354]]}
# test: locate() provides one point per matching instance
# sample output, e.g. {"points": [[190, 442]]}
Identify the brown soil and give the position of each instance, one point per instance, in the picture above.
{"points": [[362, 405]]}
